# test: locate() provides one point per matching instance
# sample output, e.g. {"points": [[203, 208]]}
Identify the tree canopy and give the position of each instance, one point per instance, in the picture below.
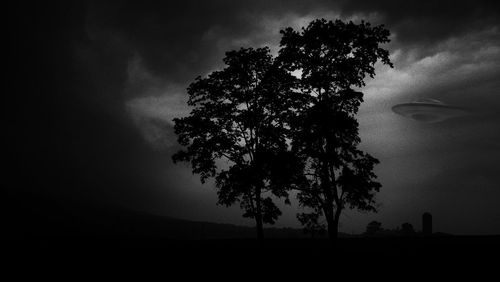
{"points": [[236, 132], [263, 126], [333, 59]]}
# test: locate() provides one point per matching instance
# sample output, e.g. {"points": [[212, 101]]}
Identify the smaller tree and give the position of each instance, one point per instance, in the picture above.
{"points": [[373, 228], [407, 229], [311, 224]]}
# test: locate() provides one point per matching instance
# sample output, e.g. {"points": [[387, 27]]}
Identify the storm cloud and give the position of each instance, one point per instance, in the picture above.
{"points": [[107, 77]]}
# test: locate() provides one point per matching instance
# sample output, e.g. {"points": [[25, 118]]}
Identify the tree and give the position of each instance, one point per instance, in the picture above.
{"points": [[332, 59], [373, 228], [407, 229], [236, 133]]}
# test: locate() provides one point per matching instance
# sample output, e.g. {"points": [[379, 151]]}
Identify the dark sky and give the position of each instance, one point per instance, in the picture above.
{"points": [[98, 82]]}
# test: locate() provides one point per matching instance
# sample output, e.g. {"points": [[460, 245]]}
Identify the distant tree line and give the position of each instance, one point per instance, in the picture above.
{"points": [[265, 126], [374, 228]]}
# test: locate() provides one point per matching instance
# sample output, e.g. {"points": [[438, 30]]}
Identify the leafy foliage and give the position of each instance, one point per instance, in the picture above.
{"points": [[238, 117], [311, 223], [333, 59], [276, 131], [373, 227]]}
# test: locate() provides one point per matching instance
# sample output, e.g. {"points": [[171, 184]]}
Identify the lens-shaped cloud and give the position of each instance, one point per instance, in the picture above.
{"points": [[429, 110]]}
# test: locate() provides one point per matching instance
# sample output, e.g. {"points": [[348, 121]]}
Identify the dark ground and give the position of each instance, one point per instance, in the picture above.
{"points": [[71, 242], [441, 245], [73, 228]]}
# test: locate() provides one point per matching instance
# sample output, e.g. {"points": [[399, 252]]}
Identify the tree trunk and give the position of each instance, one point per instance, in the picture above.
{"points": [[258, 215], [332, 220], [328, 209], [333, 230], [335, 227], [332, 227]]}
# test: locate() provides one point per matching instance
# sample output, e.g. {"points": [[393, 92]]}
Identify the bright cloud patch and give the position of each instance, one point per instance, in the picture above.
{"points": [[155, 106], [441, 71]]}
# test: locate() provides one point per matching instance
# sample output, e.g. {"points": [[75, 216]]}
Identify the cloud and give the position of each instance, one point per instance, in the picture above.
{"points": [[458, 65], [155, 104], [425, 166], [439, 70], [420, 23], [108, 76]]}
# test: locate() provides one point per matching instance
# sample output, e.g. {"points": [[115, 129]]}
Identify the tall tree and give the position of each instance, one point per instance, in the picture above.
{"points": [[331, 60], [236, 133]]}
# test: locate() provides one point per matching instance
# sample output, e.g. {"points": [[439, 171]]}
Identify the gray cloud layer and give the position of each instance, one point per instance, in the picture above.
{"points": [[98, 62], [179, 38]]}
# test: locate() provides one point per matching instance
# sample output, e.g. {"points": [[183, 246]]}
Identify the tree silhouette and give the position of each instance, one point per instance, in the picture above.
{"points": [[236, 133], [373, 227], [331, 60], [407, 229]]}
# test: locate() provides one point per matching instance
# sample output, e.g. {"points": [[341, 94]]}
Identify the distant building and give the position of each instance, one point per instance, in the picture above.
{"points": [[427, 224]]}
